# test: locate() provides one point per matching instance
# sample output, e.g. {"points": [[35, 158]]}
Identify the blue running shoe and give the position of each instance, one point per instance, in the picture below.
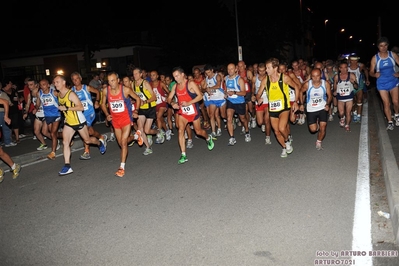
{"points": [[102, 147], [66, 170]]}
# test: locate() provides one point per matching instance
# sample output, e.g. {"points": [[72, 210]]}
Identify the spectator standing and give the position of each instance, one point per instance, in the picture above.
{"points": [[10, 90], [6, 131]]}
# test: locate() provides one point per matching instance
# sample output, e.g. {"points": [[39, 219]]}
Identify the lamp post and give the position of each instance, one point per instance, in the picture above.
{"points": [[238, 35], [325, 37], [336, 42]]}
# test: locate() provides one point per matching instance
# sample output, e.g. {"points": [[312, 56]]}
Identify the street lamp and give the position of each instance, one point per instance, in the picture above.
{"points": [[325, 37], [238, 35], [336, 43]]}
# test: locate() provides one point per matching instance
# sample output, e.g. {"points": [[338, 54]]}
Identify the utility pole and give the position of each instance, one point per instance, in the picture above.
{"points": [[238, 35]]}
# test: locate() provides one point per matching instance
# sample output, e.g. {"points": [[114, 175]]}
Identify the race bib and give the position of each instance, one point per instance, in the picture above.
{"points": [[142, 96], [316, 101], [117, 106], [47, 101], [345, 90], [85, 105], [188, 110], [276, 105]]}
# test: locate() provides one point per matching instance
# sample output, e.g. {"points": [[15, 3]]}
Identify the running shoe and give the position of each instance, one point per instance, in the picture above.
{"points": [[390, 126], [149, 138], [397, 120], [85, 156], [11, 144], [168, 134], [66, 170], [263, 128], [58, 145], [330, 118], [120, 172], [131, 143], [247, 137], [318, 145], [267, 140], [219, 132], [213, 135], [160, 137], [112, 137], [253, 122], [243, 130], [51, 155], [183, 159], [283, 153], [147, 151], [232, 141], [41, 147], [347, 128], [138, 137], [190, 144], [103, 146], [289, 147], [1, 175], [15, 172], [210, 143], [105, 138], [342, 122]]}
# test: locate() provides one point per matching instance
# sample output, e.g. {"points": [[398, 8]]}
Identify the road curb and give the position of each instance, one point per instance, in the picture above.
{"points": [[36, 156], [389, 166]]}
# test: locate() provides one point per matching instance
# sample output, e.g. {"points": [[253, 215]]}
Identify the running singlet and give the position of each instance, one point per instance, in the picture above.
{"points": [[264, 94], [345, 90], [216, 94], [39, 111], [159, 93], [144, 95], [184, 95], [386, 67], [232, 85], [72, 118], [85, 97], [278, 95], [119, 105], [316, 98], [49, 103], [243, 75]]}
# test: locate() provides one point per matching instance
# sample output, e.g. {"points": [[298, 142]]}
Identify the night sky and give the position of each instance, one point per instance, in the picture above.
{"points": [[200, 30]]}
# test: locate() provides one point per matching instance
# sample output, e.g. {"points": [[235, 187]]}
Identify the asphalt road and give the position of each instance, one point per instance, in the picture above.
{"points": [[240, 205]]}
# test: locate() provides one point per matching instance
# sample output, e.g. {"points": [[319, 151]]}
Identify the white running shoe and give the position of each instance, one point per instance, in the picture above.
{"points": [[232, 141], [283, 153], [190, 144], [247, 137], [253, 122], [168, 135], [318, 145], [289, 147]]}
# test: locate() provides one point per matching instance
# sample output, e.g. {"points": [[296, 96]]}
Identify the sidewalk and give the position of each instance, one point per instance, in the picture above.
{"points": [[25, 152], [389, 154]]}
